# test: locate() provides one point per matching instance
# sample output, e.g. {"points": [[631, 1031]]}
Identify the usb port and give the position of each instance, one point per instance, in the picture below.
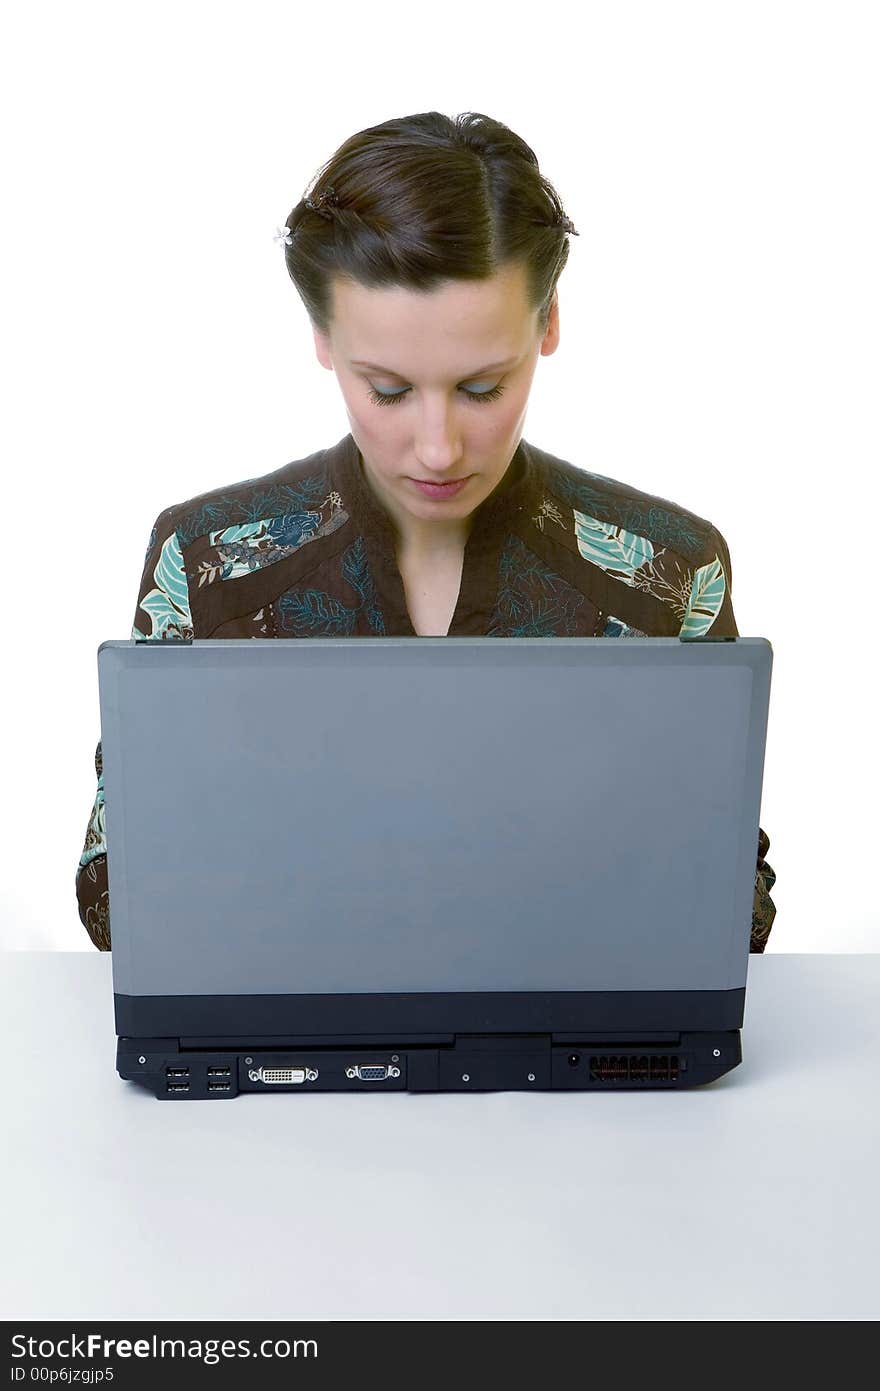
{"points": [[218, 1086], [219, 1071], [178, 1087], [177, 1072]]}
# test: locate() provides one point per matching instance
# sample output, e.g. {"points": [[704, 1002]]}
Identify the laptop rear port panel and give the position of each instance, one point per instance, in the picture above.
{"points": [[470, 1063]]}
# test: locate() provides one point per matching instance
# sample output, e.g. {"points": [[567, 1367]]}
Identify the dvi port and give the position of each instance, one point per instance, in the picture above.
{"points": [[282, 1074]]}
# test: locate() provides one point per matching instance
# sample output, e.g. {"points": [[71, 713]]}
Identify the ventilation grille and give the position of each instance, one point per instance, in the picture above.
{"points": [[634, 1067]]}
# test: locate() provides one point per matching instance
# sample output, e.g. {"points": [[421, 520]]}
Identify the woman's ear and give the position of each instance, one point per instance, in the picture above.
{"points": [[550, 341], [322, 348]]}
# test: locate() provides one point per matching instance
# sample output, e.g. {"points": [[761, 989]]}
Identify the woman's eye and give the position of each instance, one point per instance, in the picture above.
{"points": [[387, 399]]}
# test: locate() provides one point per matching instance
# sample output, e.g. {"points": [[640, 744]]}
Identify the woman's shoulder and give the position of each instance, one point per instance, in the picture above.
{"points": [[638, 549], [598, 501], [233, 531], [295, 487]]}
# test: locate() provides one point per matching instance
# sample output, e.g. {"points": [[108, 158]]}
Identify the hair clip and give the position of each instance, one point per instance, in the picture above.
{"points": [[282, 236], [323, 204]]}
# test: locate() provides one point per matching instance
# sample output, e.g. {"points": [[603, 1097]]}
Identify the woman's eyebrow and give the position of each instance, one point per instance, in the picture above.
{"points": [[469, 377]]}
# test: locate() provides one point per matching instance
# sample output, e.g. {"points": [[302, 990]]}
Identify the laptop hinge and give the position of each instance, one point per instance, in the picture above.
{"points": [[473, 1043], [619, 1040]]}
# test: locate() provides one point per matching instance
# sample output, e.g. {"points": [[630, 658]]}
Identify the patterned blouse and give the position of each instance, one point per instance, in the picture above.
{"points": [[307, 551]]}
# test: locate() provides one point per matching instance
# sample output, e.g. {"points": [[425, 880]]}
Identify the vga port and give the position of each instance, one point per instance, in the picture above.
{"points": [[283, 1074], [374, 1072]]}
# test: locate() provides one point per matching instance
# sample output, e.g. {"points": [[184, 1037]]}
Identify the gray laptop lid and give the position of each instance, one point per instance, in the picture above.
{"points": [[419, 814]]}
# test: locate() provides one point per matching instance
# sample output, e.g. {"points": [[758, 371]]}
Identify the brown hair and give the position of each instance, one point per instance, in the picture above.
{"points": [[424, 199]]}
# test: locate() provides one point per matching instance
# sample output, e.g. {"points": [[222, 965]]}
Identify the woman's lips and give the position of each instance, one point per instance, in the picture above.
{"points": [[440, 490]]}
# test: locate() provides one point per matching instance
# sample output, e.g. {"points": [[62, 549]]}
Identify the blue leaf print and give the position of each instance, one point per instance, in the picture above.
{"points": [[611, 547], [168, 604], [706, 598], [313, 613]]}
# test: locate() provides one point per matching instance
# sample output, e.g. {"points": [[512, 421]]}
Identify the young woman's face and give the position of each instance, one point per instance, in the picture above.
{"points": [[431, 405]]}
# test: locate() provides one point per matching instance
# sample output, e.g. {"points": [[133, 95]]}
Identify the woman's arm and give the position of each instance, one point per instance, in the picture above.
{"points": [[162, 610]]}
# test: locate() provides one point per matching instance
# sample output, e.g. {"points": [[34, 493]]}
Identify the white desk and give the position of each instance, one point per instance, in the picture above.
{"points": [[755, 1197]]}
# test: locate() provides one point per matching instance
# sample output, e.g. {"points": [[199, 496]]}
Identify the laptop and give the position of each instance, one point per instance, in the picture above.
{"points": [[421, 864]]}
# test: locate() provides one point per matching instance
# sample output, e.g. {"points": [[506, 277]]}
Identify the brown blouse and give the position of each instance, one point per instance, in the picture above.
{"points": [[308, 551]]}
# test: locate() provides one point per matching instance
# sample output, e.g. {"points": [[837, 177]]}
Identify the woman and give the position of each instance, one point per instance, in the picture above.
{"points": [[427, 258]]}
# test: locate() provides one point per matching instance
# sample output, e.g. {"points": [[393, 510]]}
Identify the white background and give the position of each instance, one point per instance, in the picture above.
{"points": [[719, 347]]}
